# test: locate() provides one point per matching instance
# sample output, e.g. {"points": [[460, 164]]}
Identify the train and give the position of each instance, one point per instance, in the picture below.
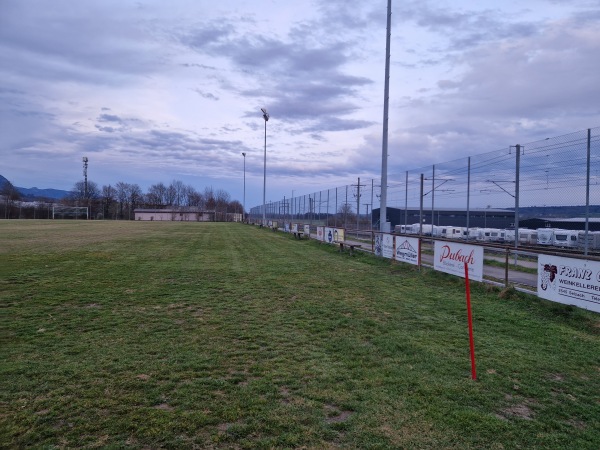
{"points": [[550, 237]]}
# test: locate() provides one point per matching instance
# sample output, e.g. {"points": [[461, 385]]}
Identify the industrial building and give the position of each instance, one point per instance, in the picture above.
{"points": [[478, 217]]}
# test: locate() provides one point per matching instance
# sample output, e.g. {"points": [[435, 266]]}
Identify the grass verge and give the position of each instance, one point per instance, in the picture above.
{"points": [[128, 334]]}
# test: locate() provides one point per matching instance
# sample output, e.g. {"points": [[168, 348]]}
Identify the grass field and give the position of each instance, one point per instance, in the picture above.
{"points": [[181, 335]]}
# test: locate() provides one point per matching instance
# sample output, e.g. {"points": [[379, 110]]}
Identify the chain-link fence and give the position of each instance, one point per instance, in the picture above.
{"points": [[548, 183]]}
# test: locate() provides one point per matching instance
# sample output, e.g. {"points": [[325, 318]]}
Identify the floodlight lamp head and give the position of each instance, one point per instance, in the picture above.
{"points": [[243, 154], [85, 159], [265, 114]]}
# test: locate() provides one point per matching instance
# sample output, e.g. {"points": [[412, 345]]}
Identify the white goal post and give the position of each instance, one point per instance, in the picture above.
{"points": [[70, 212]]}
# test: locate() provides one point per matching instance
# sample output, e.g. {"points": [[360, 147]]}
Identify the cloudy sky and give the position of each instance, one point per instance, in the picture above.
{"points": [[154, 91]]}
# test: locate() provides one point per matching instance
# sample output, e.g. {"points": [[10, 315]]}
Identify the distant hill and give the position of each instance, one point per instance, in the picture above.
{"points": [[35, 193]]}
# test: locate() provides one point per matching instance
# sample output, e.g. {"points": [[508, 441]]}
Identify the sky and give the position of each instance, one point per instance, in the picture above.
{"points": [[153, 91]]}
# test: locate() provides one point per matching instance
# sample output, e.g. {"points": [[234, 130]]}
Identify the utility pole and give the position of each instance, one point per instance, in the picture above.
{"points": [[383, 224], [358, 186]]}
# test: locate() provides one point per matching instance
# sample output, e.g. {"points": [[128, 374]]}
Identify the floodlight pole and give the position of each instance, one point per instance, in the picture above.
{"points": [[85, 186], [244, 210], [383, 225], [266, 117]]}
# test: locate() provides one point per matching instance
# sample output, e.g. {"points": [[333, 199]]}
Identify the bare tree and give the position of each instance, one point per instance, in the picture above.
{"points": [[177, 188], [78, 192], [122, 191], [11, 195], [197, 199], [209, 198], [134, 197], [108, 197], [157, 195]]}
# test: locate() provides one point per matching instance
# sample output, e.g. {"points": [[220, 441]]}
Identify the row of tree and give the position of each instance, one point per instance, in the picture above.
{"points": [[120, 201]]}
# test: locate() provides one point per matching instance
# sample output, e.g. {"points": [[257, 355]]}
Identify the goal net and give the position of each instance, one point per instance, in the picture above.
{"points": [[70, 212]]}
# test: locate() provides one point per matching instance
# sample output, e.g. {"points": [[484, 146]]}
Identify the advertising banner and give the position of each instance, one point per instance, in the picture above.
{"points": [[569, 281], [384, 245], [333, 235], [294, 228], [407, 250], [387, 246], [307, 231], [378, 244], [320, 233], [451, 257]]}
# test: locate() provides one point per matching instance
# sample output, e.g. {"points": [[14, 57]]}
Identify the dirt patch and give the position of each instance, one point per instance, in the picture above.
{"points": [[285, 393], [225, 427], [336, 415], [578, 424], [522, 411], [143, 377], [164, 407]]}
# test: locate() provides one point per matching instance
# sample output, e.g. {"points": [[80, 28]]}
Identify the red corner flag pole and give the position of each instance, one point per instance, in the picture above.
{"points": [[471, 341]]}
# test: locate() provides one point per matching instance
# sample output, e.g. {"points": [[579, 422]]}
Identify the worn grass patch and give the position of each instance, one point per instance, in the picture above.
{"points": [[182, 335]]}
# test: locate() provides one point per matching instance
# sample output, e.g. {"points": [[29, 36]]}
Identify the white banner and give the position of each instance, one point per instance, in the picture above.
{"points": [[384, 245], [320, 233], [570, 281], [387, 246], [407, 250], [307, 230], [451, 257], [333, 235], [378, 244]]}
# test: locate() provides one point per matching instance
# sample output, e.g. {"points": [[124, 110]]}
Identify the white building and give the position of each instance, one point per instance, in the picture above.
{"points": [[175, 215]]}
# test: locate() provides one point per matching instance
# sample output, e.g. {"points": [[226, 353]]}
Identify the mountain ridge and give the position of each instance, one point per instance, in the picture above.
{"points": [[35, 193]]}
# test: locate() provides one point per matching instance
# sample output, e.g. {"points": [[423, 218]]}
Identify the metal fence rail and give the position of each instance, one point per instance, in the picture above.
{"points": [[554, 177]]}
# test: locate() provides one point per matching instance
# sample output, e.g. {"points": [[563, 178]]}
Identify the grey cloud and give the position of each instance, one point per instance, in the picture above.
{"points": [[206, 95], [74, 41], [337, 124], [106, 129], [109, 118]]}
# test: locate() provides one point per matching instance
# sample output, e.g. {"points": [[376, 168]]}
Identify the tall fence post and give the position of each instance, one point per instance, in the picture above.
{"points": [[468, 195], [406, 203], [336, 207], [346, 209], [357, 207], [587, 191], [517, 174], [432, 197], [421, 207], [372, 204]]}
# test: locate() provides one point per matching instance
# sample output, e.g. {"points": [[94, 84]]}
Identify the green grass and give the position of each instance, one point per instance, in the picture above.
{"points": [[181, 335], [514, 267]]}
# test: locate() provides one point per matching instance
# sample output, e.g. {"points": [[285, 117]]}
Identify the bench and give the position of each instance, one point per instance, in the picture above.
{"points": [[298, 234], [350, 245]]}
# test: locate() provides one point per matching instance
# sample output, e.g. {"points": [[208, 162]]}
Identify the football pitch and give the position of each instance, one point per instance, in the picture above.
{"points": [[212, 335]]}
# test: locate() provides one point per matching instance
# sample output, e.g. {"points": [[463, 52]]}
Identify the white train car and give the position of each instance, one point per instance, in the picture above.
{"points": [[507, 236], [401, 229], [473, 233], [527, 236], [488, 235], [545, 236], [593, 240], [450, 232], [565, 238]]}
